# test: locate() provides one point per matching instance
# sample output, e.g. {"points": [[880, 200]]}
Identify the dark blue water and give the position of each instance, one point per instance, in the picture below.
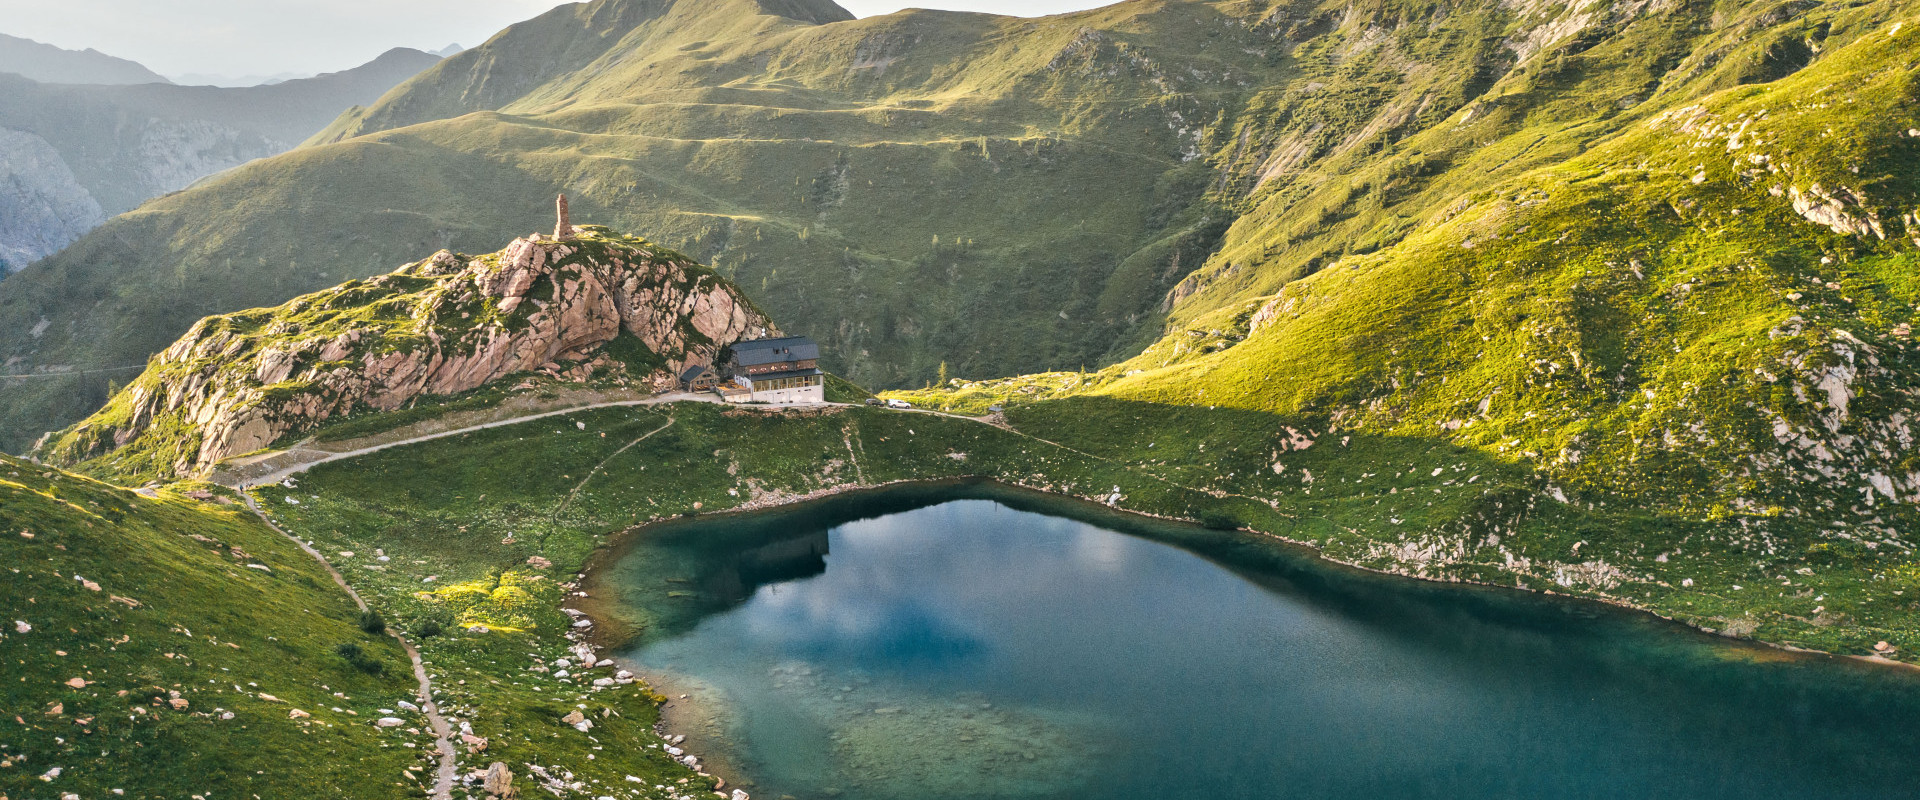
{"points": [[969, 649]]}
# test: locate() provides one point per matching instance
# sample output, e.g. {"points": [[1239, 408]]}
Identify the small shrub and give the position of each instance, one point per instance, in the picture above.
{"points": [[360, 660], [371, 622], [429, 629]]}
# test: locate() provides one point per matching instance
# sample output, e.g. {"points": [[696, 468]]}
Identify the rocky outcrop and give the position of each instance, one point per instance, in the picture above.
{"points": [[1843, 210], [598, 306]]}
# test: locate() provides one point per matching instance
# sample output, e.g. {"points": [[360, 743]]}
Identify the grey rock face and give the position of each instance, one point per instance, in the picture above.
{"points": [[42, 206]]}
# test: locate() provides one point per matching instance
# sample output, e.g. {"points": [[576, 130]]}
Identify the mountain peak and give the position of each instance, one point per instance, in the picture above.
{"points": [[529, 57], [50, 64]]}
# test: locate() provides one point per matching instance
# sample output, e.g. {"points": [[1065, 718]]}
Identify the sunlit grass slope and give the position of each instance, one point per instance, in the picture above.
{"points": [[1002, 195], [159, 646]]}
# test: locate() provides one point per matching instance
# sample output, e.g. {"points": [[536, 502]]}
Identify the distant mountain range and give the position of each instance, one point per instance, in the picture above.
{"points": [[49, 64], [236, 81], [73, 155]]}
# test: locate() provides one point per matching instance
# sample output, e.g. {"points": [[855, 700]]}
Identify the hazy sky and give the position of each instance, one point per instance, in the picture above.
{"points": [[265, 37]]}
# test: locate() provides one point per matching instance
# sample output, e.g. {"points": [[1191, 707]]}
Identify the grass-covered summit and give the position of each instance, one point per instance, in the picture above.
{"points": [[595, 303]]}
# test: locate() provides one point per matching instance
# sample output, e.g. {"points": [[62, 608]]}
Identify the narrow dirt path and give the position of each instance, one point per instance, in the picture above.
{"points": [[1133, 468], [603, 463], [24, 375], [282, 474], [442, 732]]}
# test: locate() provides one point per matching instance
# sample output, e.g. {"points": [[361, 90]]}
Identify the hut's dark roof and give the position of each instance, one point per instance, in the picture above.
{"points": [[761, 352]]}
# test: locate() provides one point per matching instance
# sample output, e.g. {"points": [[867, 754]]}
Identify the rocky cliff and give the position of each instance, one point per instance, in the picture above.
{"points": [[73, 155], [42, 207], [596, 305]]}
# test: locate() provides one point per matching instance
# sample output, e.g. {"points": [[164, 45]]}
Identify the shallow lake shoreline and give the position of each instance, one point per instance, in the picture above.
{"points": [[701, 717], [619, 543]]}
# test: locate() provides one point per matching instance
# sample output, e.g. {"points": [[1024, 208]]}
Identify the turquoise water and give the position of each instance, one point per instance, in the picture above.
{"points": [[974, 643]]}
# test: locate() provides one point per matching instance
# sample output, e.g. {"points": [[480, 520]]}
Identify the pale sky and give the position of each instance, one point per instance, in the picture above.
{"points": [[264, 37]]}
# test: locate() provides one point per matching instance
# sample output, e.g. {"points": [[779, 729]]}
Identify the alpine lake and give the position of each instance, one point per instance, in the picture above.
{"points": [[976, 641]]}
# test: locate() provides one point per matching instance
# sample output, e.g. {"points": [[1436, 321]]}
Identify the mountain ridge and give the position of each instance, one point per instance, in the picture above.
{"points": [[473, 77], [47, 63], [777, 154], [593, 305], [80, 154], [1057, 192]]}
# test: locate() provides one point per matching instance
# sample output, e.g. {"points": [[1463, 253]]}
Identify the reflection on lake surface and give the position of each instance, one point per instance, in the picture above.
{"points": [[959, 643]]}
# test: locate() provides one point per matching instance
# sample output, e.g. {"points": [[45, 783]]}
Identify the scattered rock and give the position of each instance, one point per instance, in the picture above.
{"points": [[20, 626], [573, 717], [389, 722], [298, 714], [539, 563], [81, 683]]}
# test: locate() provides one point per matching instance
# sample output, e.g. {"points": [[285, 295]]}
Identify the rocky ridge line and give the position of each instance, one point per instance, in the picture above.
{"points": [[449, 324]]}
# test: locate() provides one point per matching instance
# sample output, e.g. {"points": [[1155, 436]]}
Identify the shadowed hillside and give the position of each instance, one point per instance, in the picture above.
{"points": [[73, 155]]}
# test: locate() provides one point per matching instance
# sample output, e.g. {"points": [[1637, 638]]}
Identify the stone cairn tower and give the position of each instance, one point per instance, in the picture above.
{"points": [[562, 227]]}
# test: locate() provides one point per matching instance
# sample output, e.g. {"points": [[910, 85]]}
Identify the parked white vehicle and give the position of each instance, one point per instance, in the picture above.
{"points": [[899, 404]]}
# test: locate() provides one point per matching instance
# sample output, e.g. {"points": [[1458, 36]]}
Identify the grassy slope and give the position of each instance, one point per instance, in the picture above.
{"points": [[1703, 385], [1547, 91], [1633, 321], [779, 151], [1419, 506], [179, 610], [1073, 169]]}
